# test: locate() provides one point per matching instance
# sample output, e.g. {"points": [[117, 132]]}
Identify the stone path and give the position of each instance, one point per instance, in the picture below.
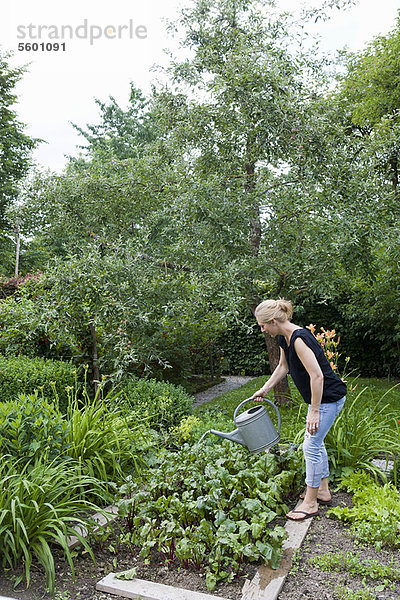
{"points": [[231, 382]]}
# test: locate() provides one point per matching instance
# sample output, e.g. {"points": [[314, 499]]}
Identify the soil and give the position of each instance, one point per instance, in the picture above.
{"points": [[304, 582]]}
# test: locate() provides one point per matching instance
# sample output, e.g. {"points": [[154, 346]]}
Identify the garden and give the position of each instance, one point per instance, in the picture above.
{"points": [[258, 168], [199, 514]]}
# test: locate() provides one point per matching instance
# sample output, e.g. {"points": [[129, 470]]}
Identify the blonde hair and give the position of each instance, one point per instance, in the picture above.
{"points": [[281, 310]]}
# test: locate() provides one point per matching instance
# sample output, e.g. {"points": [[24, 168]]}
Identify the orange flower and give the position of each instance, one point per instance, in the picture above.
{"points": [[333, 366], [311, 327]]}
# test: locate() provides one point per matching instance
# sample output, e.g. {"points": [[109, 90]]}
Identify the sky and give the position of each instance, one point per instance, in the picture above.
{"points": [[108, 45]]}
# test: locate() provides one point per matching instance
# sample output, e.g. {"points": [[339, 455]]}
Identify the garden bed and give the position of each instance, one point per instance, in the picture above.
{"points": [[305, 581], [88, 574]]}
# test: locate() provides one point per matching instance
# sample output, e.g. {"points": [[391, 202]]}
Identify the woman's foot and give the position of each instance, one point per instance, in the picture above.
{"points": [[303, 511], [324, 497]]}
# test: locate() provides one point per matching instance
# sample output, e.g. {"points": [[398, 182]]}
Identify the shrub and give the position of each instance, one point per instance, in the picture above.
{"points": [[30, 328], [30, 427], [161, 405], [243, 349], [21, 374]]}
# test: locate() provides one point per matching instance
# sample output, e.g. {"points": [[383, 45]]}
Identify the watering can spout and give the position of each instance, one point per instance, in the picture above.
{"points": [[233, 436]]}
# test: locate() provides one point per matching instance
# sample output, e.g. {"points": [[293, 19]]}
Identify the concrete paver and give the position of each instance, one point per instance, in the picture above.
{"points": [[148, 590]]}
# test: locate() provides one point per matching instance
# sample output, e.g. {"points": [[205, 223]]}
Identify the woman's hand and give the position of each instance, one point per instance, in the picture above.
{"points": [[313, 420], [259, 395]]}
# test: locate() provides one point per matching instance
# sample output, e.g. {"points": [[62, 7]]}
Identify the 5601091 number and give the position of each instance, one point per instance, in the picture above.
{"points": [[41, 47]]}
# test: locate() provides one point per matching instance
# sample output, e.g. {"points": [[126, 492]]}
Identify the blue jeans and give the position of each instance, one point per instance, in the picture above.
{"points": [[315, 454]]}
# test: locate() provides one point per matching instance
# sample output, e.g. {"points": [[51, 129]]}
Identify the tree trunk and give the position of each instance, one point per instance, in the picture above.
{"points": [[282, 394], [18, 236], [96, 372], [281, 390], [394, 171]]}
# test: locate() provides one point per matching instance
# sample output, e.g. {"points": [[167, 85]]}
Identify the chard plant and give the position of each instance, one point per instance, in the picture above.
{"points": [[212, 508]]}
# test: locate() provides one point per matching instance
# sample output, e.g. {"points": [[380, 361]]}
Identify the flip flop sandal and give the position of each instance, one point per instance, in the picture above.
{"points": [[302, 512]]}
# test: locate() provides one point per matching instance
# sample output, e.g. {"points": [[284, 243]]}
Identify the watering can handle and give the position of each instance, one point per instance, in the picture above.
{"points": [[266, 400]]}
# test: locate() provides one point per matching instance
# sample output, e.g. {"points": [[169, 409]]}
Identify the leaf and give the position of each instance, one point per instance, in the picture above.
{"points": [[127, 575], [211, 581]]}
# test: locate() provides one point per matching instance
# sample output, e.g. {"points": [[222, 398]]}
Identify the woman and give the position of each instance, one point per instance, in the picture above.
{"points": [[303, 357]]}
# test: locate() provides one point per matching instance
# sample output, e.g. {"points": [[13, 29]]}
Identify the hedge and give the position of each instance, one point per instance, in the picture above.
{"points": [[22, 375]]}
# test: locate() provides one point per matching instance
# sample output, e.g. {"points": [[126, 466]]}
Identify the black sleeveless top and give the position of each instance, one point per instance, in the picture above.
{"points": [[334, 388]]}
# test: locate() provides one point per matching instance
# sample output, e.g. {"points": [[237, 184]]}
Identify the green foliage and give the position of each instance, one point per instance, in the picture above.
{"points": [[186, 430], [15, 145], [95, 432], [211, 507], [159, 404], [26, 330], [243, 349], [376, 512], [121, 133], [39, 506], [21, 374], [31, 427], [107, 442], [371, 84], [344, 593], [350, 563]]}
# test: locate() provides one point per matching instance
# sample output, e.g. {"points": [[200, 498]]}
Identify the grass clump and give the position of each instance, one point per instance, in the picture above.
{"points": [[39, 507]]}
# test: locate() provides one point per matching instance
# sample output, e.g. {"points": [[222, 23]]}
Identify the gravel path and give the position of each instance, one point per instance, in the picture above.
{"points": [[231, 382]]}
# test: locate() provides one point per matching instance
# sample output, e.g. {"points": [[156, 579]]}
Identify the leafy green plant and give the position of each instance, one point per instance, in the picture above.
{"points": [[211, 507], [350, 563], [107, 442], [375, 515], [161, 405], [186, 430], [362, 431], [344, 593], [39, 506], [31, 426]]}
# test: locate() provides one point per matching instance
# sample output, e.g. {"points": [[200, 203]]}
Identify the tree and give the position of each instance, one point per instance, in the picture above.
{"points": [[15, 146], [371, 88], [15, 149], [121, 133], [109, 287], [251, 214], [368, 101]]}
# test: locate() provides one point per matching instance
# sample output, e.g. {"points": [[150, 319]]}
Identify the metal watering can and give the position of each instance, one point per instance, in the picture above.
{"points": [[254, 428]]}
